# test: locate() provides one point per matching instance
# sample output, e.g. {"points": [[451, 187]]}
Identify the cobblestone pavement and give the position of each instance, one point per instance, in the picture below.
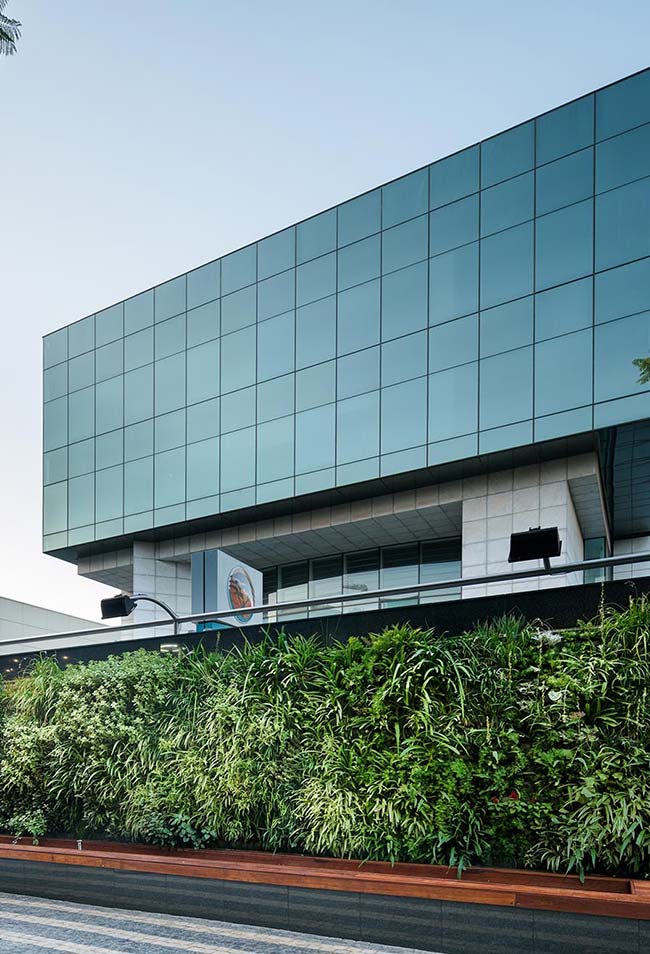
{"points": [[35, 926]]}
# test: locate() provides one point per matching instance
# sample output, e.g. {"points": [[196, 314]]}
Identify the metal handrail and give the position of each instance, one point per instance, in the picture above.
{"points": [[411, 588]]}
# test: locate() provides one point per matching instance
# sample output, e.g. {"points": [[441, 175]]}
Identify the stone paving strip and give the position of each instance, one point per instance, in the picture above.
{"points": [[34, 925]]}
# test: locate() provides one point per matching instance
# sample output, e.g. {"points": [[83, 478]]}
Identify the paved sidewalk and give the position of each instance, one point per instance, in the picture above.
{"points": [[35, 926]]}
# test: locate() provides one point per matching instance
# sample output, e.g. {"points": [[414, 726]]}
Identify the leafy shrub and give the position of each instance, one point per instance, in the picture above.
{"points": [[507, 744], [27, 823]]}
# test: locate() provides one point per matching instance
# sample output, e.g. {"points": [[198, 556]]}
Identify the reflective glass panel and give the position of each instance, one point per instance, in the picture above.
{"points": [[275, 398], [623, 105], [622, 231], [359, 262], [358, 319], [109, 324], [357, 428], [453, 225], [81, 371], [55, 382], [565, 181], [357, 373], [239, 309], [405, 198], [563, 309], [138, 440], [404, 244], [563, 372], [203, 323], [618, 344], [170, 336], [238, 410], [404, 301], [276, 253], [169, 431], [203, 469], [454, 177], [507, 265], [203, 420], [203, 284], [203, 372], [315, 438], [81, 414], [138, 485], [81, 458], [316, 386], [275, 449], [81, 501], [455, 342], [81, 336], [276, 295], [55, 466], [109, 360], [238, 269], [623, 291], [453, 402], [169, 298], [507, 154], [316, 236], [404, 358], [109, 396], [507, 204], [238, 460], [138, 312], [453, 284], [404, 415], [565, 130], [55, 348], [109, 449], [507, 326], [55, 507], [316, 332], [360, 217], [109, 493], [138, 394], [138, 349], [507, 404], [276, 346], [170, 383], [565, 246], [238, 359], [169, 477], [316, 279]]}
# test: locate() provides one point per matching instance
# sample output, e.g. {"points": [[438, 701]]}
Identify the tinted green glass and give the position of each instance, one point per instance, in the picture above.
{"points": [[55, 382], [238, 360], [623, 105], [453, 284], [404, 415], [55, 466], [358, 318], [507, 326], [138, 485], [507, 204], [169, 375], [404, 244], [455, 342], [316, 332], [55, 348], [276, 346], [238, 269], [169, 430], [203, 284], [507, 154], [316, 279], [564, 245], [622, 231], [238, 410], [506, 405], [81, 501], [316, 236], [500, 438], [238, 460], [357, 428], [55, 507], [203, 421], [138, 349], [170, 336], [81, 414], [239, 309], [564, 309], [357, 373], [623, 159], [170, 298], [203, 323], [138, 440], [405, 198], [454, 177], [109, 360], [315, 438], [81, 336], [275, 398], [563, 372], [359, 217], [138, 312], [203, 469], [623, 291], [203, 372], [359, 262], [316, 386], [453, 225], [404, 298], [109, 324], [565, 130], [169, 477], [109, 397], [276, 253], [507, 265], [275, 449], [109, 449], [81, 458], [565, 181], [617, 345], [109, 494], [276, 295], [404, 358], [453, 402], [81, 371], [138, 394]]}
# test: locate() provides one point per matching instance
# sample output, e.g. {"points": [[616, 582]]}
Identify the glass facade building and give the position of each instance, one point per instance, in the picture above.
{"points": [[492, 300]]}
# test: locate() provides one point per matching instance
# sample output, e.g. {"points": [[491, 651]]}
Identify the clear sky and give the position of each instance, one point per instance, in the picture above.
{"points": [[141, 138]]}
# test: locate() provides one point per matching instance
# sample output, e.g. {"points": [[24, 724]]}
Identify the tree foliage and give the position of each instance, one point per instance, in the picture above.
{"points": [[9, 31], [503, 745]]}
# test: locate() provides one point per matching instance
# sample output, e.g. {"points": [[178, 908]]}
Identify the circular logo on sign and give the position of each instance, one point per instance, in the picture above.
{"points": [[241, 594]]}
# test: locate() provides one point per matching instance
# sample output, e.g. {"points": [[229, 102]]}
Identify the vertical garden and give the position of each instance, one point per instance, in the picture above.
{"points": [[509, 744]]}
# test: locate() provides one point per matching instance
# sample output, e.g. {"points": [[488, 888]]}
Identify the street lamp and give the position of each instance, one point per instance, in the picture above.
{"points": [[536, 543], [117, 607]]}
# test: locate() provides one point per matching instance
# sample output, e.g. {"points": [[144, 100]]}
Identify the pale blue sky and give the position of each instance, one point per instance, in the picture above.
{"points": [[139, 139]]}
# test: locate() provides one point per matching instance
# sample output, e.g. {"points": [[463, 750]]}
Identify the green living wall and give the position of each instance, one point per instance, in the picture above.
{"points": [[509, 744]]}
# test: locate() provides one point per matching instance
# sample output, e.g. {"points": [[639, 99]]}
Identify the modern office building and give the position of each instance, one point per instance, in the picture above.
{"points": [[25, 621], [382, 393]]}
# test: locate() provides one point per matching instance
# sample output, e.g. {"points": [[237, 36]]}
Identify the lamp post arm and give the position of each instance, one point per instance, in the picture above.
{"points": [[136, 597]]}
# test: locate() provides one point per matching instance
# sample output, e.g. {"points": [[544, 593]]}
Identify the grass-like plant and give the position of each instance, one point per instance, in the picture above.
{"points": [[508, 744]]}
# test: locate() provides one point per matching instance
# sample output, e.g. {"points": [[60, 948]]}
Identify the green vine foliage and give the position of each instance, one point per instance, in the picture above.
{"points": [[505, 745]]}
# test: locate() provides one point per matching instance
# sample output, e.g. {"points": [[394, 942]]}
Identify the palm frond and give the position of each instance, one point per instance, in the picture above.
{"points": [[9, 32]]}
